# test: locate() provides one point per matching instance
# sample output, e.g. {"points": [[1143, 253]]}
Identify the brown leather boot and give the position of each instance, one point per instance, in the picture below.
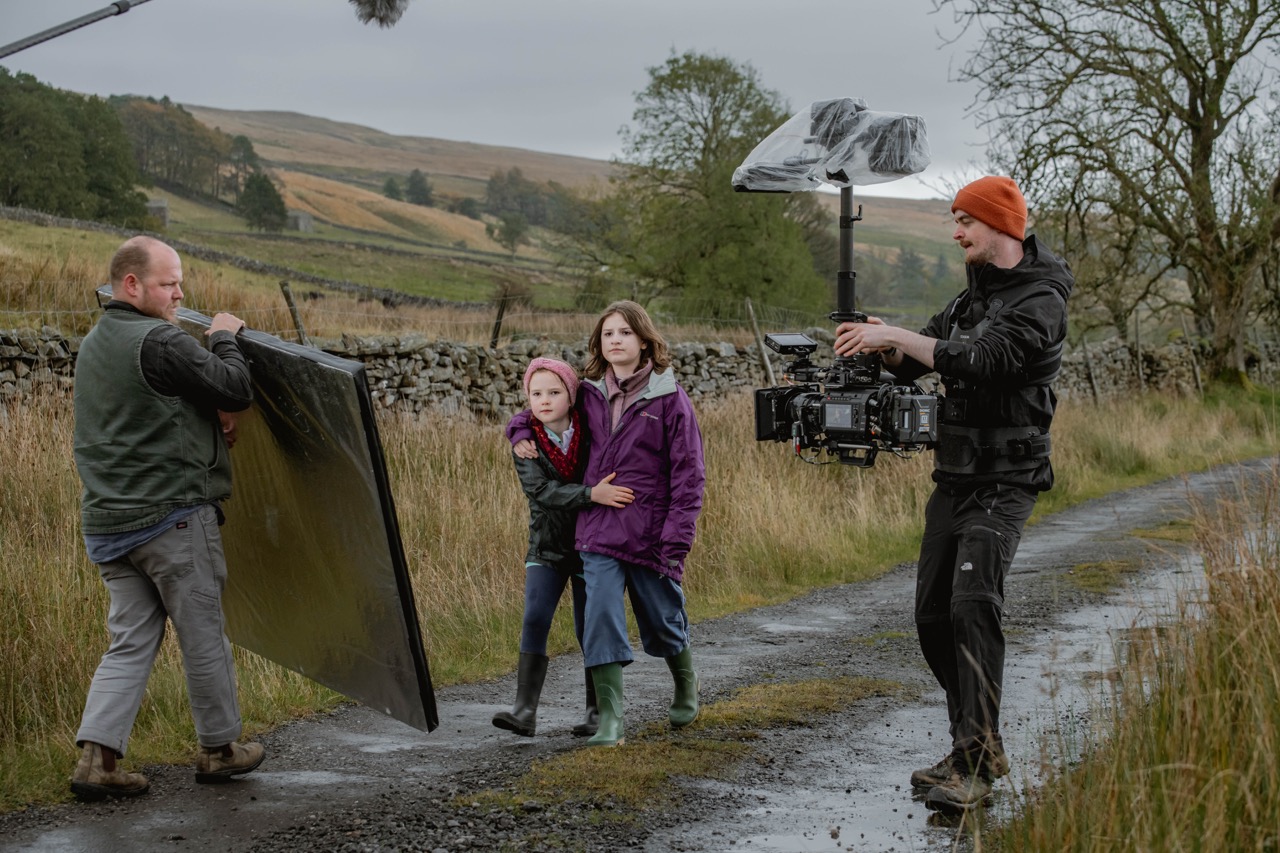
{"points": [[217, 764], [96, 776]]}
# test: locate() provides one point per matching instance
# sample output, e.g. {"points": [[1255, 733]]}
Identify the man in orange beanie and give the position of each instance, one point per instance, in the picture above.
{"points": [[997, 347]]}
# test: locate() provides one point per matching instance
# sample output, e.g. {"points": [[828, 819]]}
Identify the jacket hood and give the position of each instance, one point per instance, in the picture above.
{"points": [[660, 384], [1039, 265]]}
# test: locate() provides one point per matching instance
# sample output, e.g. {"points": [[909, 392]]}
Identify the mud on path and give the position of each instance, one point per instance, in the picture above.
{"points": [[356, 780]]}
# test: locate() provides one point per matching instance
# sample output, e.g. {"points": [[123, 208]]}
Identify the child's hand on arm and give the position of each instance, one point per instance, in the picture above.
{"points": [[525, 449], [607, 494]]}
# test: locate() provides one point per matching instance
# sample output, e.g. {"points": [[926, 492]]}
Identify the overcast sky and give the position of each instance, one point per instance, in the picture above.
{"points": [[547, 75]]}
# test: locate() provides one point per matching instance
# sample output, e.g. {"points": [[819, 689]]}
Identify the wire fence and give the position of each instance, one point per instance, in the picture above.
{"points": [[334, 315]]}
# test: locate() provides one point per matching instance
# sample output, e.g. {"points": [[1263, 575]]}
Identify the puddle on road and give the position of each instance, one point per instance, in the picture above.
{"points": [[859, 796]]}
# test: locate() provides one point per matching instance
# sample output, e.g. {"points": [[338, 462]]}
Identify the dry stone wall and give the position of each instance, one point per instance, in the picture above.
{"points": [[414, 375]]}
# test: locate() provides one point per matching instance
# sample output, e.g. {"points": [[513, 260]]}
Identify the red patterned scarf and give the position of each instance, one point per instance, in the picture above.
{"points": [[568, 465]]}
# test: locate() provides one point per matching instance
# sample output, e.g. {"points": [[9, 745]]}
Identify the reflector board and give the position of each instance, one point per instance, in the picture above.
{"points": [[317, 576]]}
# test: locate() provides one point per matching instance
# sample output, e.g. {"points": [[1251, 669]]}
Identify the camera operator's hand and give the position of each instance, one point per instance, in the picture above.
{"points": [[607, 494], [892, 342], [871, 336], [525, 449]]}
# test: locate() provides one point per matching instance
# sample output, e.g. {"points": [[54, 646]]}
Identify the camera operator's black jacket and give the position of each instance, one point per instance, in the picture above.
{"points": [[1001, 377]]}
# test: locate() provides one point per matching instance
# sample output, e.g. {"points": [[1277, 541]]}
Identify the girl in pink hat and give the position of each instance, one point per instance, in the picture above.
{"points": [[553, 484]]}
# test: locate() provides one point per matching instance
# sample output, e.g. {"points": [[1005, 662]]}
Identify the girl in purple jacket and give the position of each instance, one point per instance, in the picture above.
{"points": [[642, 429]]}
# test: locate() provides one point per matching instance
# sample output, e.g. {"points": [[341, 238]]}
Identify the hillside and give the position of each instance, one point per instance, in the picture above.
{"points": [[336, 170], [365, 156]]}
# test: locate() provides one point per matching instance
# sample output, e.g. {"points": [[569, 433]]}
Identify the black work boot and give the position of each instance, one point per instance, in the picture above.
{"points": [[523, 718], [591, 721]]}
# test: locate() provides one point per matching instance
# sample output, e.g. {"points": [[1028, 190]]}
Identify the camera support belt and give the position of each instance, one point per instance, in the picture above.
{"points": [[969, 450]]}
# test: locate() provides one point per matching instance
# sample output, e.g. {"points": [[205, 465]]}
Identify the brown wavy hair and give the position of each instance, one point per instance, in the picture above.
{"points": [[653, 347]]}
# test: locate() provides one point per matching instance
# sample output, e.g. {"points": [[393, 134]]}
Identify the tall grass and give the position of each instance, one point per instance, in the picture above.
{"points": [[1189, 758], [771, 528], [54, 286]]}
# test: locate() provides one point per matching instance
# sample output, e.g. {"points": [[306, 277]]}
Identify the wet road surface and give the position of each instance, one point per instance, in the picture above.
{"points": [[356, 780]]}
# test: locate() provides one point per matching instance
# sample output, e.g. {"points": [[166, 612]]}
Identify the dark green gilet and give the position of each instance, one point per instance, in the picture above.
{"points": [[140, 454]]}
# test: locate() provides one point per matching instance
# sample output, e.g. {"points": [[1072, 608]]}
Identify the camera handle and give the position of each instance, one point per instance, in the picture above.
{"points": [[861, 368]]}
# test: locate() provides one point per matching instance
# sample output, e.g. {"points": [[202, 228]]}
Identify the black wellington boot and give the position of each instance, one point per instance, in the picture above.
{"points": [[523, 718], [591, 722]]}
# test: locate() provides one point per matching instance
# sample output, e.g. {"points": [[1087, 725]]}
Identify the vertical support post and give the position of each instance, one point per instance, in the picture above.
{"points": [[293, 312], [1195, 358], [764, 354], [497, 322], [1088, 368], [1137, 349]]}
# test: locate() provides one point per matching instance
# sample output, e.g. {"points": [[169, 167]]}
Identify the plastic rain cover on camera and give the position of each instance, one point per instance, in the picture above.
{"points": [[317, 579], [838, 142]]}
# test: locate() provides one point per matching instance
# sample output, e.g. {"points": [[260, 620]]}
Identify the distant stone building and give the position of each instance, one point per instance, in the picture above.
{"points": [[159, 209], [300, 220]]}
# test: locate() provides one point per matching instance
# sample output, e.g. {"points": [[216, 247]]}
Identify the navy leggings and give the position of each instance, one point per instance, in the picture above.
{"points": [[543, 587]]}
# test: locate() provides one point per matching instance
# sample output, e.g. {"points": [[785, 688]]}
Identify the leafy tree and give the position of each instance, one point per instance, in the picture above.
{"points": [[1146, 133], [244, 162], [673, 227], [467, 206], [512, 192], [65, 154], [911, 280], [511, 232], [391, 189], [170, 146], [418, 189], [261, 204]]}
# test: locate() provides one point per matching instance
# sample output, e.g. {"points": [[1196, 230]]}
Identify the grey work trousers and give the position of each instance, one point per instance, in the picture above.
{"points": [[178, 575]]}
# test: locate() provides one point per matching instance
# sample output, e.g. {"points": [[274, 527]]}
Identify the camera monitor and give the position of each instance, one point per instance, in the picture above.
{"points": [[791, 343]]}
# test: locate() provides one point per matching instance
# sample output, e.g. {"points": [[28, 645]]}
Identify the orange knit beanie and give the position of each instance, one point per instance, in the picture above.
{"points": [[996, 201]]}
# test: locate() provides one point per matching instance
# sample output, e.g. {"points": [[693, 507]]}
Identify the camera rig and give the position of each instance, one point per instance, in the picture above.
{"points": [[852, 409]]}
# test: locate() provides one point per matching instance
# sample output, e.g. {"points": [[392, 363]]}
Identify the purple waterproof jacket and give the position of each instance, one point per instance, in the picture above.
{"points": [[657, 453]]}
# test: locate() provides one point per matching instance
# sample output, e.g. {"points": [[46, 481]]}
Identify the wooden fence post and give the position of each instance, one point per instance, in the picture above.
{"points": [[497, 322], [1088, 369], [1137, 349], [293, 312], [764, 354], [1195, 359]]}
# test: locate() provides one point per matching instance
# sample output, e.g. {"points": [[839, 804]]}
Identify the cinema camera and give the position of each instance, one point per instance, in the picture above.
{"points": [[851, 410]]}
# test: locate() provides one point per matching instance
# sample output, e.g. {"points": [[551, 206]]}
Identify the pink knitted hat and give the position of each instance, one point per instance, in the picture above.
{"points": [[567, 375]]}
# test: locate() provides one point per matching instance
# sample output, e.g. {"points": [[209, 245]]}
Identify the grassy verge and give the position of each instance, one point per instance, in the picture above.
{"points": [[772, 528], [636, 775], [1189, 753]]}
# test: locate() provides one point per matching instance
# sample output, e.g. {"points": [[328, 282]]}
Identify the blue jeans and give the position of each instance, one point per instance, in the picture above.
{"points": [[656, 600], [179, 575], [543, 587]]}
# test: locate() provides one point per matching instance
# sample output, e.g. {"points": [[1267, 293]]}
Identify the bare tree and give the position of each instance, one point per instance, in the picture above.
{"points": [[1152, 126]]}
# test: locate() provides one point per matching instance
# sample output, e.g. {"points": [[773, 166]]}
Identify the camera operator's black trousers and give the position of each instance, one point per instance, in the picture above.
{"points": [[970, 537]]}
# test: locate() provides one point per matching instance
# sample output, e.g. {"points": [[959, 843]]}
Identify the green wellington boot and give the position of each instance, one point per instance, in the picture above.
{"points": [[608, 681], [684, 705], [523, 718]]}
